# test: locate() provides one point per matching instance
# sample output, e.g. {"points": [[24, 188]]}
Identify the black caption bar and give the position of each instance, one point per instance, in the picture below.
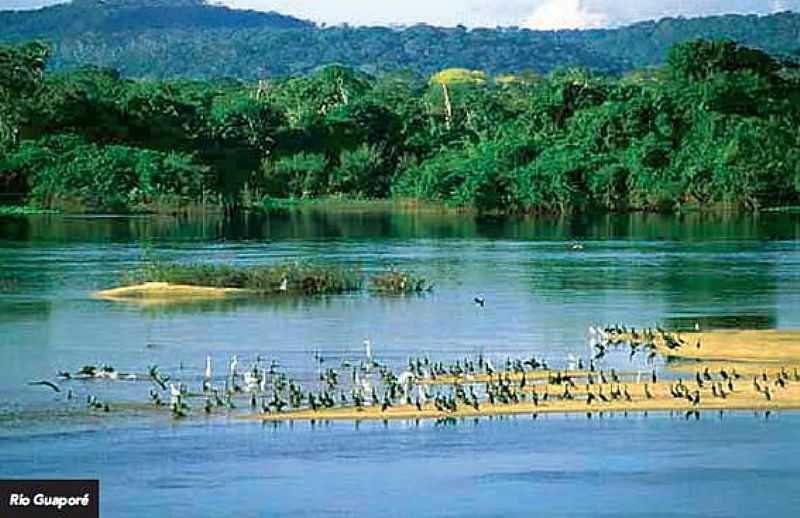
{"points": [[49, 499]]}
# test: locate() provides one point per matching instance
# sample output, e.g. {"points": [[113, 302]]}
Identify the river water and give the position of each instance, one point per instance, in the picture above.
{"points": [[541, 297]]}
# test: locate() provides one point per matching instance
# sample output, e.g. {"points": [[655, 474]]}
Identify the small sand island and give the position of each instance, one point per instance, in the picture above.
{"points": [[165, 282], [164, 291], [724, 345]]}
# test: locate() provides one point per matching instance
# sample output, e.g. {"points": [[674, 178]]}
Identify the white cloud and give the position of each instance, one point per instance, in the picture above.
{"points": [[565, 14]]}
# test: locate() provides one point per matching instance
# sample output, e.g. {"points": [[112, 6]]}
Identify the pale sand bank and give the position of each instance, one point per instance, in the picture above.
{"points": [[744, 397], [743, 346], [163, 291]]}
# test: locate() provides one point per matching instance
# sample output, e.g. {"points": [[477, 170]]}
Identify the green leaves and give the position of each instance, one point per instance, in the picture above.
{"points": [[719, 125], [101, 178]]}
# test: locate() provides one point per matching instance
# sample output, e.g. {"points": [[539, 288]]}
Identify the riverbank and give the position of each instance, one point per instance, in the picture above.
{"points": [[351, 205]]}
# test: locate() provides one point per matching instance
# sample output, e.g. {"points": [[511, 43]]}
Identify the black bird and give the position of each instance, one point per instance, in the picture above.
{"points": [[647, 392], [46, 384], [480, 301]]}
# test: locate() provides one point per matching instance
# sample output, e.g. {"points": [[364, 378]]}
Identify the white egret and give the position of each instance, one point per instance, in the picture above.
{"points": [[208, 367]]}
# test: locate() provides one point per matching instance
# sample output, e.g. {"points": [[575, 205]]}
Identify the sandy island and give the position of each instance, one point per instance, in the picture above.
{"points": [[744, 397], [163, 291], [742, 346]]}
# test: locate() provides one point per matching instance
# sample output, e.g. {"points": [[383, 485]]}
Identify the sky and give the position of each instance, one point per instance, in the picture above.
{"points": [[534, 14]]}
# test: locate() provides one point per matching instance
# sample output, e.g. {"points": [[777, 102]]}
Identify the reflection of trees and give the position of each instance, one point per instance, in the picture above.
{"points": [[718, 280], [385, 223], [703, 267], [13, 309], [737, 321]]}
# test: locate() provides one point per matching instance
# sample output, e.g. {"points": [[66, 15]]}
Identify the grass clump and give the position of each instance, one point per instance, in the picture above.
{"points": [[289, 279], [395, 282]]}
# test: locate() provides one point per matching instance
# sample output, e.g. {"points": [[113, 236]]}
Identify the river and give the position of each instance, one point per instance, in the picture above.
{"points": [[541, 292]]}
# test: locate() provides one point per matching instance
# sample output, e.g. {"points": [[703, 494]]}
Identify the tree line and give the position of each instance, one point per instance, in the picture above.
{"points": [[717, 125]]}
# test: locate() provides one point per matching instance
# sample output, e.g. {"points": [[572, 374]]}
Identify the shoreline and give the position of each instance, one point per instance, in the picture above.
{"points": [[398, 205]]}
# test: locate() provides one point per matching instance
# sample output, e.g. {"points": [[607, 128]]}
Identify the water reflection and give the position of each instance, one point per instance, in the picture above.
{"points": [[312, 224]]}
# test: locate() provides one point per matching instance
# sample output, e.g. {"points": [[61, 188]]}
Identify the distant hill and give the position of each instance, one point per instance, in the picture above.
{"points": [[195, 39], [120, 16]]}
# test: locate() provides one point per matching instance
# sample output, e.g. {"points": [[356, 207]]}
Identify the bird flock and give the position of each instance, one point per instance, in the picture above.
{"points": [[423, 388]]}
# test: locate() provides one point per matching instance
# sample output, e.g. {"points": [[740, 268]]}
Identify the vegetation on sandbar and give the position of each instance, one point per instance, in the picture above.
{"points": [[289, 278], [395, 282], [295, 278]]}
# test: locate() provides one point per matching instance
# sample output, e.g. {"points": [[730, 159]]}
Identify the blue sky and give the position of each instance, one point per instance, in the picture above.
{"points": [[538, 14]]}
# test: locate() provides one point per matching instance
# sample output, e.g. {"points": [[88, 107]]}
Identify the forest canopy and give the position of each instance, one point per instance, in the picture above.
{"points": [[716, 125]]}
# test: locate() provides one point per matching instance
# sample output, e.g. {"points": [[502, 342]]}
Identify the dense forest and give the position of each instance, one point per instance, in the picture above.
{"points": [[717, 125], [189, 39]]}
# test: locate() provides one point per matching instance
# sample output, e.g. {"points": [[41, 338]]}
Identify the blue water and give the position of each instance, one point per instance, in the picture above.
{"points": [[741, 465], [541, 298]]}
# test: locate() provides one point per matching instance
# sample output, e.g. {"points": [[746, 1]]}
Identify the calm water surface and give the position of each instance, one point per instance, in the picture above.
{"points": [[541, 297]]}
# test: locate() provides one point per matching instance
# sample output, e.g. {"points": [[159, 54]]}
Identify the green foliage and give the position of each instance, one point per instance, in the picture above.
{"points": [[21, 71], [361, 172], [284, 279], [300, 175], [718, 125], [101, 178], [395, 282]]}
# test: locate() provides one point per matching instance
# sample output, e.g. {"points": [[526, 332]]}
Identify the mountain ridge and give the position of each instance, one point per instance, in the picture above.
{"points": [[197, 39]]}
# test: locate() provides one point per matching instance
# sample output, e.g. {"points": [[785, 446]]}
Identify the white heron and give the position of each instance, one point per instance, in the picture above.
{"points": [[368, 347], [284, 285], [572, 362], [406, 380], [174, 394], [366, 386], [252, 379], [233, 365], [208, 367], [423, 397]]}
